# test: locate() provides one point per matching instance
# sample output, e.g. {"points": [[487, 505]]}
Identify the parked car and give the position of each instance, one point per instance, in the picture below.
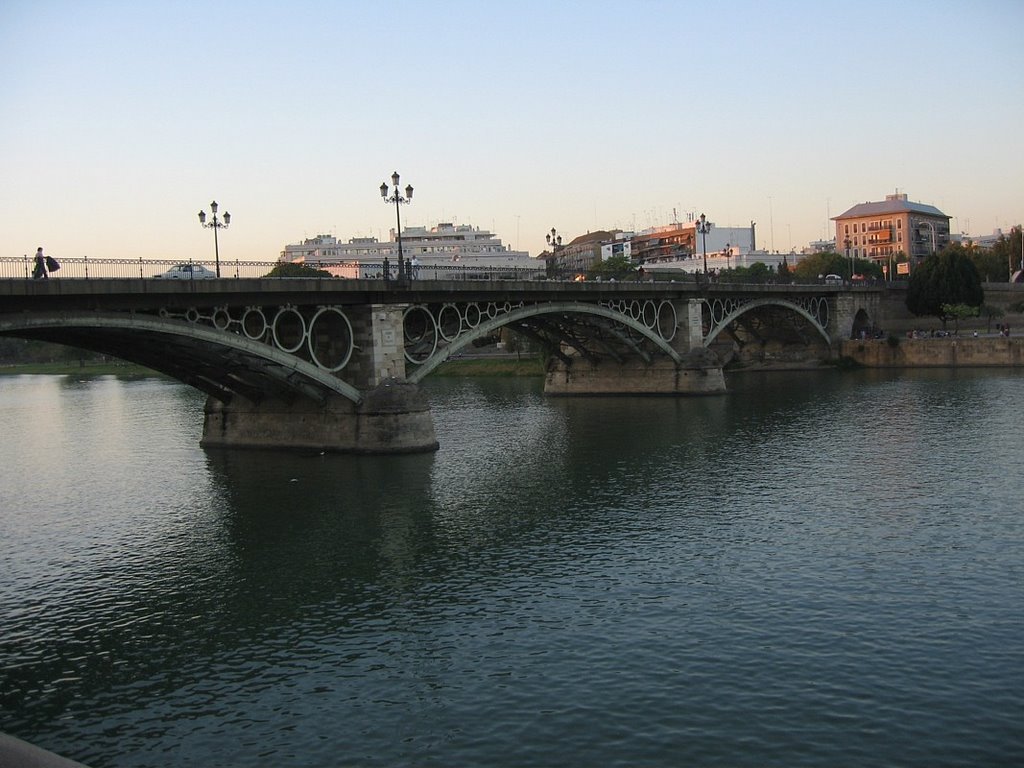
{"points": [[833, 280], [187, 272]]}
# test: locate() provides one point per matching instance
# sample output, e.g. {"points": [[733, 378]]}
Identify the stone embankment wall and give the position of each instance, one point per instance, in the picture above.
{"points": [[947, 352]]}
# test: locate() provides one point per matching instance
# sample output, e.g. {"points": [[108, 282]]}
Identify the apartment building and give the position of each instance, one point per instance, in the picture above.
{"points": [[882, 230]]}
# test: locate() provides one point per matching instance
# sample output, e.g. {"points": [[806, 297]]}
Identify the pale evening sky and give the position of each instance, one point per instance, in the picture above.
{"points": [[123, 119]]}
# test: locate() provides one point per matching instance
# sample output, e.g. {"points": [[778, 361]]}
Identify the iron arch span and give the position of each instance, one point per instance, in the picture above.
{"points": [[469, 331], [219, 363], [817, 315]]}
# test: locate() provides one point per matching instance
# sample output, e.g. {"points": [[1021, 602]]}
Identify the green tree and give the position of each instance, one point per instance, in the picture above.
{"points": [[958, 312], [990, 263], [784, 271], [868, 268], [614, 267], [944, 280], [827, 263], [1005, 255], [297, 270]]}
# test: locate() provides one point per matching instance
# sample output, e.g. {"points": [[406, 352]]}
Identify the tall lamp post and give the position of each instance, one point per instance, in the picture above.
{"points": [[703, 227], [846, 242], [555, 241], [215, 225], [932, 227], [397, 199]]}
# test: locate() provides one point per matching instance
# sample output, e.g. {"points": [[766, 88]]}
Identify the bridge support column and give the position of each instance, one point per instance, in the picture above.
{"points": [[700, 374], [694, 324], [843, 315], [394, 417]]}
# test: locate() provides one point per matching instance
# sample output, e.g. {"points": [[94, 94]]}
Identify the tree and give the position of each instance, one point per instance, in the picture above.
{"points": [[958, 312], [614, 267], [991, 263], [784, 272], [1006, 254], [826, 263], [943, 280], [297, 270]]}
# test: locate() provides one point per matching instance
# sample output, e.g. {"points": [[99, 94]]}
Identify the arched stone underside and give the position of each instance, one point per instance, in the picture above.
{"points": [[768, 331], [612, 347], [260, 396], [861, 324], [642, 330], [219, 363]]}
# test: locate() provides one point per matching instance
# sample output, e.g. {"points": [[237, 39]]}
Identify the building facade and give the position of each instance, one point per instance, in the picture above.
{"points": [[444, 244], [883, 231]]}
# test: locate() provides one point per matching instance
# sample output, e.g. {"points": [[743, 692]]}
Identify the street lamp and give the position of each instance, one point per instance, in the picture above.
{"points": [[846, 242], [215, 225], [554, 240], [728, 256], [397, 199], [929, 224], [704, 226]]}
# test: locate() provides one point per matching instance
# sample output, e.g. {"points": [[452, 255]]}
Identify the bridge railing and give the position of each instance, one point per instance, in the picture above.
{"points": [[89, 268]]}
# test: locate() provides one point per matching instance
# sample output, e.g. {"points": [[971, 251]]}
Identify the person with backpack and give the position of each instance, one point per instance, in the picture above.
{"points": [[39, 270]]}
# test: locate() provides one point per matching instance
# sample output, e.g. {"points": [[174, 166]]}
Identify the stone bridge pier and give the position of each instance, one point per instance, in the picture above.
{"points": [[388, 415]]}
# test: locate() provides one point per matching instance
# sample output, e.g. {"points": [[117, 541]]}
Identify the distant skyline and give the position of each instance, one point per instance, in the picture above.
{"points": [[125, 119]]}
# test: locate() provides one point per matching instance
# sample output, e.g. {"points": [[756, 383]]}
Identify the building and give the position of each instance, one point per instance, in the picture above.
{"points": [[882, 231], [673, 247], [444, 245], [580, 254], [819, 246], [984, 241], [621, 246]]}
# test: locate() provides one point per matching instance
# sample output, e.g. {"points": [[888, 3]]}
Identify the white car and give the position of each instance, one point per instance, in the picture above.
{"points": [[187, 272]]}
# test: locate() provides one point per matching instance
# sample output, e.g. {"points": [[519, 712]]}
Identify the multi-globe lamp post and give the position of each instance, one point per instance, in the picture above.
{"points": [[846, 242], [703, 227], [215, 225], [398, 199], [554, 240]]}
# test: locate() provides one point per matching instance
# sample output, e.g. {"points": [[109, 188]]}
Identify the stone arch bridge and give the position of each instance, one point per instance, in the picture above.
{"points": [[335, 364]]}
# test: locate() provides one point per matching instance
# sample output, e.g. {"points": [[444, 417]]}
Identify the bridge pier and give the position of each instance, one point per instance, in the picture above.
{"points": [[699, 374], [394, 417]]}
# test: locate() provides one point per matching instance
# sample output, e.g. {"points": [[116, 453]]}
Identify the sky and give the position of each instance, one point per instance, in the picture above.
{"points": [[122, 120]]}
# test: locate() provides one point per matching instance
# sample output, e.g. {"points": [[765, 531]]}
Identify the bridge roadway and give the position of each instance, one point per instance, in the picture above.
{"points": [[335, 364]]}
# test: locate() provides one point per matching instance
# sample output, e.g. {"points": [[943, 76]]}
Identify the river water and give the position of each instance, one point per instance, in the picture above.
{"points": [[816, 569]]}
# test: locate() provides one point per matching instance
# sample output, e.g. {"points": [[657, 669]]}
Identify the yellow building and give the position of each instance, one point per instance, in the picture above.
{"points": [[881, 231]]}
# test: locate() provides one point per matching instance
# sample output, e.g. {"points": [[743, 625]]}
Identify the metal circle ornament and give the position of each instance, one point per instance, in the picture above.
{"points": [[289, 329], [330, 339], [420, 334]]}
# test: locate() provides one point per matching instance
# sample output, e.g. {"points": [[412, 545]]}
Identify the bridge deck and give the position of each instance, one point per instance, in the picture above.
{"points": [[113, 294]]}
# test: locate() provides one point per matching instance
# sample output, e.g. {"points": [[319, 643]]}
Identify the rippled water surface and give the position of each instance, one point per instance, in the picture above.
{"points": [[817, 569]]}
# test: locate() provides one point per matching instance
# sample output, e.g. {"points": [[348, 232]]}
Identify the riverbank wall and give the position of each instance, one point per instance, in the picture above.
{"points": [[946, 352]]}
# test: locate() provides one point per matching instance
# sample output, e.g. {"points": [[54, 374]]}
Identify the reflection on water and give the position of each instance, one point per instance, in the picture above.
{"points": [[814, 569]]}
